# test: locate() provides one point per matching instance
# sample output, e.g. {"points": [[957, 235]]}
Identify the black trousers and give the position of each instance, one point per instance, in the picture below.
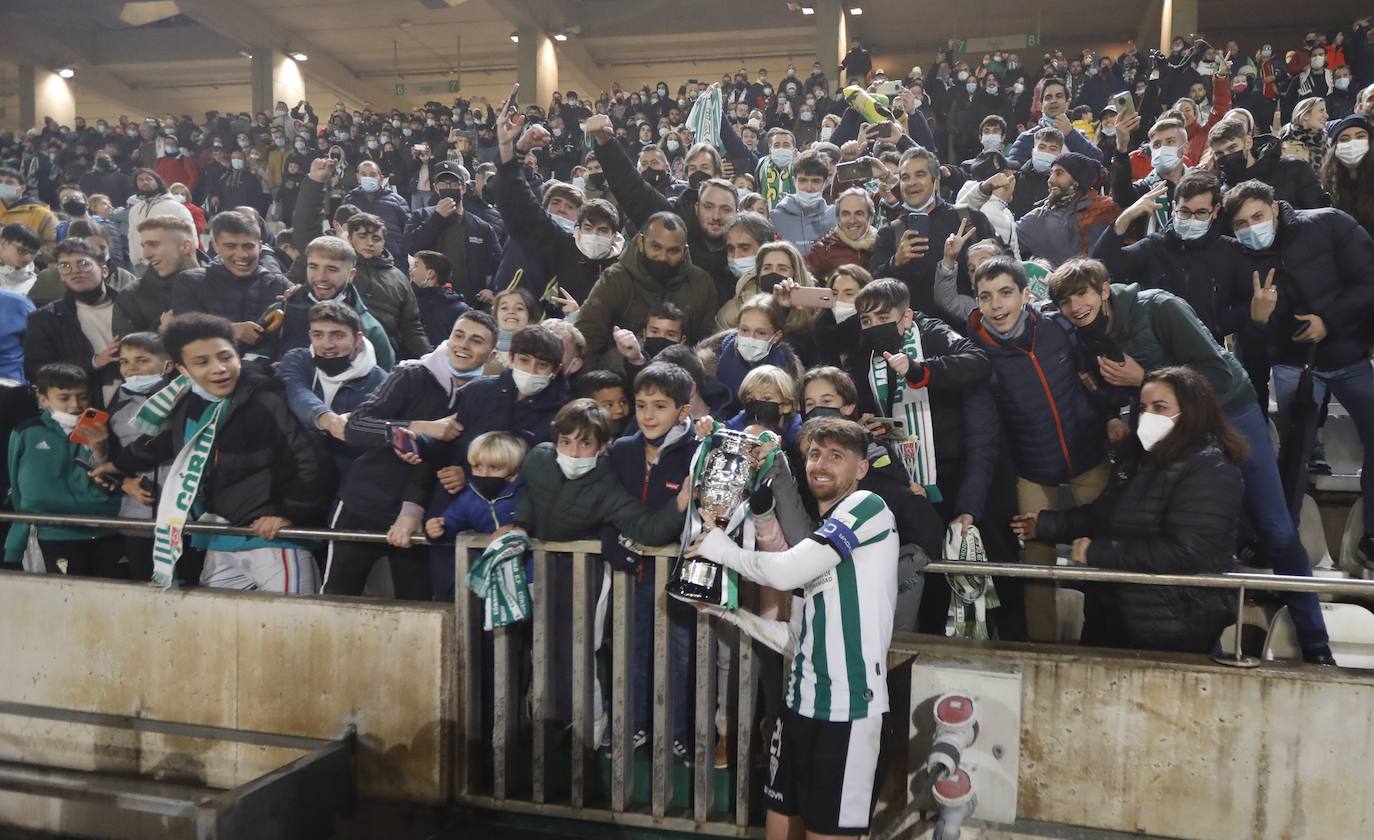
{"points": [[350, 563], [85, 558]]}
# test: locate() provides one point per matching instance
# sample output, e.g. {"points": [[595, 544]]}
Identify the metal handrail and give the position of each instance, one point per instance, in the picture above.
{"points": [[1227, 580]]}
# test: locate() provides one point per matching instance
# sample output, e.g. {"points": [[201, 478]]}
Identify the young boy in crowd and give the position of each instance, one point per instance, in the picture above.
{"points": [[18, 247], [665, 328], [570, 492], [487, 502], [238, 455], [331, 377], [440, 306], [607, 389], [49, 474], [653, 465], [574, 346], [143, 367], [387, 493]]}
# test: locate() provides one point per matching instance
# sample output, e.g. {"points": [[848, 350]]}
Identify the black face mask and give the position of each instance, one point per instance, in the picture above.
{"points": [[91, 296], [884, 338], [596, 180], [769, 281], [657, 178], [1232, 167], [767, 414], [823, 411], [657, 269], [489, 193], [440, 195], [489, 487], [74, 207], [104, 164], [653, 346], [331, 367], [1096, 341], [696, 179]]}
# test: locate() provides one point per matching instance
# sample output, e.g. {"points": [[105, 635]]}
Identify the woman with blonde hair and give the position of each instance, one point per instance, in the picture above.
{"points": [[1305, 136]]}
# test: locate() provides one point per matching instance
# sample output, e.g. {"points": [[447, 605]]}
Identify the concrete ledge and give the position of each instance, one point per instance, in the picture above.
{"points": [[306, 666], [1179, 746]]}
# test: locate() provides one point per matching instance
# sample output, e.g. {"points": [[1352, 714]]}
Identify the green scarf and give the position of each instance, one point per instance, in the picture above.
{"points": [[915, 441], [186, 473], [704, 119], [499, 580], [774, 185], [974, 595]]}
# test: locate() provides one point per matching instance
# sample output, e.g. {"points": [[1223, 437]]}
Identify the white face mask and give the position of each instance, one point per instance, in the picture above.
{"points": [[1351, 152], [143, 383], [1042, 160], [592, 246], [991, 142], [1164, 159], [809, 199], [843, 311], [741, 266], [575, 468], [66, 421], [826, 132], [752, 349], [1152, 428], [529, 384]]}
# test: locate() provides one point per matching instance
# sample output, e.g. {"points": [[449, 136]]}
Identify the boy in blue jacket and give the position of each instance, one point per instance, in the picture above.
{"points": [[653, 465], [487, 502], [48, 474]]}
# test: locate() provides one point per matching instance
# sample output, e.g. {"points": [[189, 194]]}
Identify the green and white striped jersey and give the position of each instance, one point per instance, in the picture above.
{"points": [[839, 636]]}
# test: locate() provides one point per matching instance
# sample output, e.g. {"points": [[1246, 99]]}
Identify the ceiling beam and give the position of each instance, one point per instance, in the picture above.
{"points": [[250, 28], [29, 44], [575, 56]]}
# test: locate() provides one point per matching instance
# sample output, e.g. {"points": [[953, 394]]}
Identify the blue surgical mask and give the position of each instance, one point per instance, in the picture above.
{"points": [[1190, 229], [369, 184], [1109, 131], [564, 223], [1041, 160], [1257, 237], [741, 266], [782, 158], [910, 208], [9, 193], [204, 394], [1164, 159]]}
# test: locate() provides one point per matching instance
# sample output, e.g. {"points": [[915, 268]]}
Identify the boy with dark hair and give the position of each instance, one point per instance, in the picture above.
{"points": [[237, 286], [571, 490], [933, 383], [1057, 432], [143, 367], [653, 464], [607, 389], [331, 377], [387, 492], [48, 474], [439, 304], [238, 456], [385, 287], [18, 247]]}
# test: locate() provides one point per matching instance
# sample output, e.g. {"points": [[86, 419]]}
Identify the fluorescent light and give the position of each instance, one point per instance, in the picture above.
{"points": [[299, 56], [562, 36], [856, 10], [66, 72], [515, 37], [807, 10]]}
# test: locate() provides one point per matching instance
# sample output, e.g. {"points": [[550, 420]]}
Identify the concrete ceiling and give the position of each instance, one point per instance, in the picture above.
{"points": [[361, 48]]}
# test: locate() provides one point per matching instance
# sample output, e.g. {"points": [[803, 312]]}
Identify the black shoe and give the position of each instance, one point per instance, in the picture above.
{"points": [[1319, 656], [1366, 552], [1318, 465]]}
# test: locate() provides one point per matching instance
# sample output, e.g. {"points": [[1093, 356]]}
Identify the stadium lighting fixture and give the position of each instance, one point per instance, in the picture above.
{"points": [[298, 55], [66, 72]]}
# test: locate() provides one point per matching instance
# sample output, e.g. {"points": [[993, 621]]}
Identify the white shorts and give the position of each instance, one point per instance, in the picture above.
{"points": [[287, 570]]}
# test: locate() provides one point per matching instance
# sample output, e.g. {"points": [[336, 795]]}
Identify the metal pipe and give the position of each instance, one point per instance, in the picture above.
{"points": [[325, 534]]}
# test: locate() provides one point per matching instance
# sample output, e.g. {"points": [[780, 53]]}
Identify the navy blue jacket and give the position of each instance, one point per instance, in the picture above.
{"points": [[306, 400], [653, 485], [440, 307], [387, 204], [1057, 430]]}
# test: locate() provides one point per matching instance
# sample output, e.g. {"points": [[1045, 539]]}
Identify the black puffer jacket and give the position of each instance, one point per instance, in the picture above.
{"points": [[265, 462], [1324, 265], [215, 290], [1175, 517], [1294, 180]]}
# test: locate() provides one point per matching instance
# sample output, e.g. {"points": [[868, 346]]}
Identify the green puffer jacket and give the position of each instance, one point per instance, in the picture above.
{"points": [[554, 508]]}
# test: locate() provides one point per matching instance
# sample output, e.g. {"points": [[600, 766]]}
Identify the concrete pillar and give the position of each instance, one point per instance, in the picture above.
{"points": [[536, 67], [43, 93], [275, 78], [832, 42], [1178, 18]]}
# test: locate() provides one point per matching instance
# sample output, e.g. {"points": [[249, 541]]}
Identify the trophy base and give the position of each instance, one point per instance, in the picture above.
{"points": [[684, 591]]}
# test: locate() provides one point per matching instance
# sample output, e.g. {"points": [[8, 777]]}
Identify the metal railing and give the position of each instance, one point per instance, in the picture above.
{"points": [[493, 746]]}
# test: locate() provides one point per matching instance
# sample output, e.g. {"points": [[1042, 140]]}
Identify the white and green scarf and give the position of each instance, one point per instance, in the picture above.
{"points": [[185, 475], [704, 119], [916, 441], [973, 594], [498, 579]]}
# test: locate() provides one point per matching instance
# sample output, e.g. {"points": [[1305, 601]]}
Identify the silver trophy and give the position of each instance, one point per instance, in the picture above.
{"points": [[720, 489]]}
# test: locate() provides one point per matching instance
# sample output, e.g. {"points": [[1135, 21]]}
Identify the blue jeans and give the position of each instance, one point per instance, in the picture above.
{"points": [[1354, 387], [1268, 510], [682, 647], [419, 199]]}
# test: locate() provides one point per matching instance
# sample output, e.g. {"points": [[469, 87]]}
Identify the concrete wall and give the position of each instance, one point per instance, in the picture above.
{"points": [[295, 666], [1182, 747]]}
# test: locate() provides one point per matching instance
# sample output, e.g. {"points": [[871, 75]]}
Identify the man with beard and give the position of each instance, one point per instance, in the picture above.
{"points": [[1072, 217]]}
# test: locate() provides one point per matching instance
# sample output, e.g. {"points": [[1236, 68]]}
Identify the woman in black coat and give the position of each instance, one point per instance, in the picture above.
{"points": [[1171, 507]]}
